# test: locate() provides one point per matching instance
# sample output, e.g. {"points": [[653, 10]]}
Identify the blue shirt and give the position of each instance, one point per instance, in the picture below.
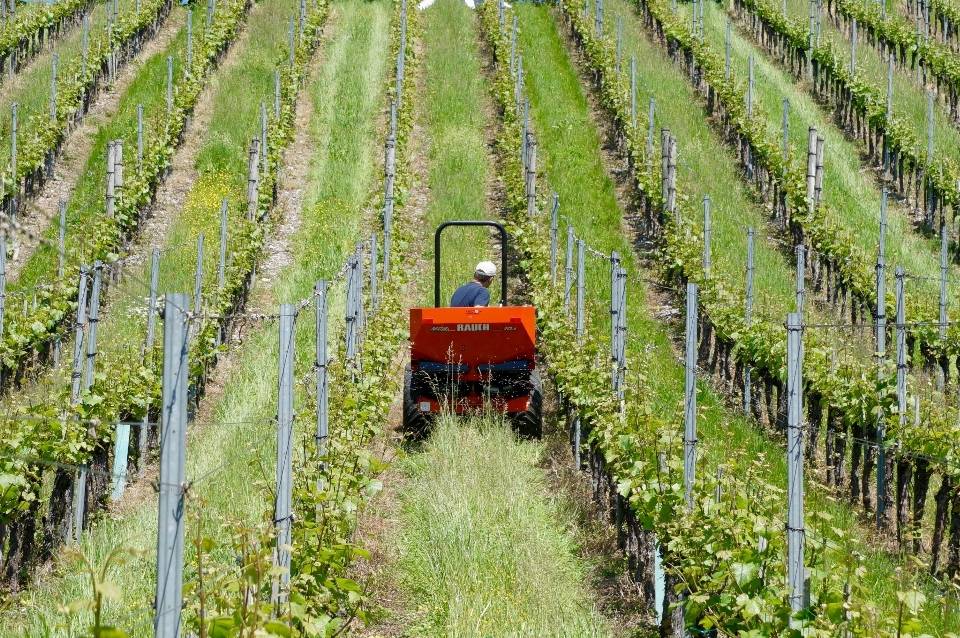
{"points": [[469, 295]]}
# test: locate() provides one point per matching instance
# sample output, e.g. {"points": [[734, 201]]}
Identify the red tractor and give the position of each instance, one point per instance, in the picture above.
{"points": [[466, 359]]}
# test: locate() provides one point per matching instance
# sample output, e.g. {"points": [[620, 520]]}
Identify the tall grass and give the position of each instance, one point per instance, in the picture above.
{"points": [[572, 147], [480, 548], [236, 454], [459, 177]]}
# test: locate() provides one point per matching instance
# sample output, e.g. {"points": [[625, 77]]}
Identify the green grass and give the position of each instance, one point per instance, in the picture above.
{"points": [[848, 186], [87, 200], [571, 146], [348, 96], [30, 88], [481, 552], [459, 175]]}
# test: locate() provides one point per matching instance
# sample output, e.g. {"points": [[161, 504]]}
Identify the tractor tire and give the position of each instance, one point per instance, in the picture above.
{"points": [[529, 424], [415, 423]]}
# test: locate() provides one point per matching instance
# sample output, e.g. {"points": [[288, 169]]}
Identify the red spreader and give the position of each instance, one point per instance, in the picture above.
{"points": [[464, 359]]}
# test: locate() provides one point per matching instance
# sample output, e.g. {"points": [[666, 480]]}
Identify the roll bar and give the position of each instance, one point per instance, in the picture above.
{"points": [[503, 257]]}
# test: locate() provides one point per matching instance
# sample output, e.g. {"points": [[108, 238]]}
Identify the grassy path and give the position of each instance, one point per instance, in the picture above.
{"points": [[344, 99], [459, 175], [571, 147], [482, 548], [478, 547]]}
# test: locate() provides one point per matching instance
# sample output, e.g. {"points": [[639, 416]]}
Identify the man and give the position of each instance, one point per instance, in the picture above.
{"points": [[474, 293]]}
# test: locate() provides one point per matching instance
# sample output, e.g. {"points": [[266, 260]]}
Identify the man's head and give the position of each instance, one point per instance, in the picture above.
{"points": [[484, 273]]}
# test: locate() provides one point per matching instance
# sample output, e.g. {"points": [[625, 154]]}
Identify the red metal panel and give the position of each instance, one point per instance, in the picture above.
{"points": [[473, 336]]}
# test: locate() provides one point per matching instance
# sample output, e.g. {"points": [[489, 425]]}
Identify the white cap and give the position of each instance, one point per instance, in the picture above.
{"points": [[486, 268]]}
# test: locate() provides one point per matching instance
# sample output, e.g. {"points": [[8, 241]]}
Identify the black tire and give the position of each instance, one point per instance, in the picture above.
{"points": [[529, 424], [415, 423]]}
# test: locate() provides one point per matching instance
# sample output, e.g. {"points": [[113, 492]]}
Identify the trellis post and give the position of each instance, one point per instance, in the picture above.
{"points": [[554, 231], [320, 325], [148, 347], [795, 526], [581, 287], [173, 444], [881, 347], [283, 510], [690, 396]]}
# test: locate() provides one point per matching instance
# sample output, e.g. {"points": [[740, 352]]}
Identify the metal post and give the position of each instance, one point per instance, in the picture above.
{"points": [[3, 283], [148, 347], [264, 147], [748, 317], [86, 37], [581, 287], [253, 181], [53, 89], [614, 318], [283, 511], [139, 136], [690, 401], [92, 324], [80, 482], [853, 48], [390, 166], [173, 444], [118, 170], [554, 231], [813, 20], [801, 277], [111, 184], [943, 288], [650, 118], [795, 527], [531, 185], [568, 272], [374, 253], [189, 42], [513, 48], [222, 265], [811, 166], [198, 277], [621, 353], [881, 347], [320, 307], [706, 237], [169, 84], [619, 42], [726, 73], [291, 54], [13, 154], [61, 238], [633, 91], [352, 320], [786, 134], [276, 94], [523, 134], [901, 360]]}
